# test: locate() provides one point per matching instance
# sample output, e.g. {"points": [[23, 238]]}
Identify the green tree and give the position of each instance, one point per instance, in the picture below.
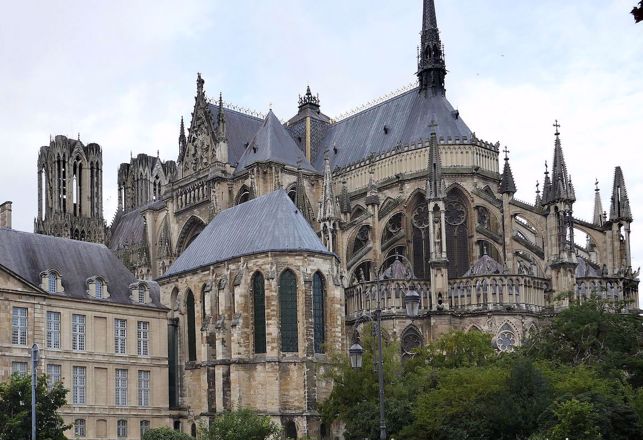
{"points": [[165, 433], [355, 395], [575, 419], [15, 409], [242, 424]]}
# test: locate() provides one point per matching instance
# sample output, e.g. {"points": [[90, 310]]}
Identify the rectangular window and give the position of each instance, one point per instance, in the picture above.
{"points": [[121, 387], [19, 367], [79, 427], [78, 385], [144, 388], [143, 336], [121, 429], [53, 375], [99, 289], [78, 332], [120, 336], [53, 329], [145, 426], [52, 283], [141, 294], [19, 326]]}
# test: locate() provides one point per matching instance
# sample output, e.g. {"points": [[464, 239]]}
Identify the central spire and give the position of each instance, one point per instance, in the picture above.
{"points": [[431, 66]]}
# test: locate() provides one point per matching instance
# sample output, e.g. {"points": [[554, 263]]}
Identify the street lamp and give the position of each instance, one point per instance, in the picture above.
{"points": [[35, 359], [412, 305]]}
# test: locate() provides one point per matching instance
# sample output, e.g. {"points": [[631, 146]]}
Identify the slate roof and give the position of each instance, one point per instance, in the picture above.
{"points": [[240, 129], [28, 255], [270, 223], [407, 118], [272, 142], [129, 228]]}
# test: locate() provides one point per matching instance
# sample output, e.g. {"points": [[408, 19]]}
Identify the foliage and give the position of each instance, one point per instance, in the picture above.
{"points": [[165, 433], [580, 377], [15, 409], [242, 424]]}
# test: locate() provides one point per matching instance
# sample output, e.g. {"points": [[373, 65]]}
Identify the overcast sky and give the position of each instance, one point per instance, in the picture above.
{"points": [[121, 73]]}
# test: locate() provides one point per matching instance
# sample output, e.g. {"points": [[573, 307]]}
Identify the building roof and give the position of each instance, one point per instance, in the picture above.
{"points": [[401, 120], [270, 223], [273, 143], [240, 129], [28, 255]]}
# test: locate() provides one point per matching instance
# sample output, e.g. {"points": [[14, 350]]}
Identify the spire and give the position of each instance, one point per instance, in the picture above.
{"points": [[507, 184], [308, 99], [620, 204], [598, 206], [221, 118], [327, 206], [300, 195], [182, 139], [372, 195], [546, 186], [345, 199], [561, 185], [435, 186], [539, 200], [431, 66]]}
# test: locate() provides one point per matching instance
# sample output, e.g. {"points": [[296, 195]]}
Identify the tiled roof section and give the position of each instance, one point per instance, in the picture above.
{"points": [[240, 129], [28, 255], [485, 265], [273, 143], [401, 120], [270, 223]]}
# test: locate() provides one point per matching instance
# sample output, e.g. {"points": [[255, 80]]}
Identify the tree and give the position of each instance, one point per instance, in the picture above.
{"points": [[15, 409], [577, 419], [165, 433], [637, 12], [242, 424]]}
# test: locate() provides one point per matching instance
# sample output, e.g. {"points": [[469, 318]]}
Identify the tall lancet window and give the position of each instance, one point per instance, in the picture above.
{"points": [[259, 306], [457, 233], [421, 240], [288, 311], [319, 318], [189, 303]]}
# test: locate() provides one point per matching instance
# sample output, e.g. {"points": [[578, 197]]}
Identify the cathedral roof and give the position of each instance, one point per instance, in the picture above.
{"points": [[273, 143], [270, 223], [485, 266], [401, 120], [28, 255], [240, 128]]}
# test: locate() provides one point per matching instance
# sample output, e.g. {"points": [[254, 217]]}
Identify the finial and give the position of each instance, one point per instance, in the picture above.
{"points": [[546, 168], [537, 187], [131, 156], [596, 185], [79, 135], [506, 151], [158, 154], [270, 105], [557, 126]]}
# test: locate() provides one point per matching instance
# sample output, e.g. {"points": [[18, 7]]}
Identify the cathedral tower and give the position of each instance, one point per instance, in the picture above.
{"points": [[70, 190]]}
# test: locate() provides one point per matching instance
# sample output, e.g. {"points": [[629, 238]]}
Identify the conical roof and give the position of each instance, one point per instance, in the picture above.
{"points": [[270, 223], [507, 184], [272, 143]]}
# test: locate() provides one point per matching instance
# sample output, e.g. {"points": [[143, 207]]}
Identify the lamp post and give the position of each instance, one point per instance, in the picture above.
{"points": [[35, 359], [412, 305]]}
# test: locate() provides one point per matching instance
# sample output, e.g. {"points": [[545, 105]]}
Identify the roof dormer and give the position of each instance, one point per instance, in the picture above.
{"points": [[140, 292], [51, 281], [97, 287]]}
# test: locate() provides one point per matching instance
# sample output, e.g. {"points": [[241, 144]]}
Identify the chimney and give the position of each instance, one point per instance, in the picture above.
{"points": [[5, 215]]}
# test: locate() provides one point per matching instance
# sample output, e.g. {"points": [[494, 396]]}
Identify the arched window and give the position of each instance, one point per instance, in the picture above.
{"points": [[259, 301], [420, 240], [411, 340], [319, 318], [189, 303], [99, 288], [52, 280], [506, 339], [193, 430], [290, 430], [288, 311], [457, 233], [203, 311]]}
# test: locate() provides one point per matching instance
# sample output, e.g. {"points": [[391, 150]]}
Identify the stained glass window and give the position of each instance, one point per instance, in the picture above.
{"points": [[191, 327], [319, 323], [259, 300], [288, 311], [457, 234]]}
